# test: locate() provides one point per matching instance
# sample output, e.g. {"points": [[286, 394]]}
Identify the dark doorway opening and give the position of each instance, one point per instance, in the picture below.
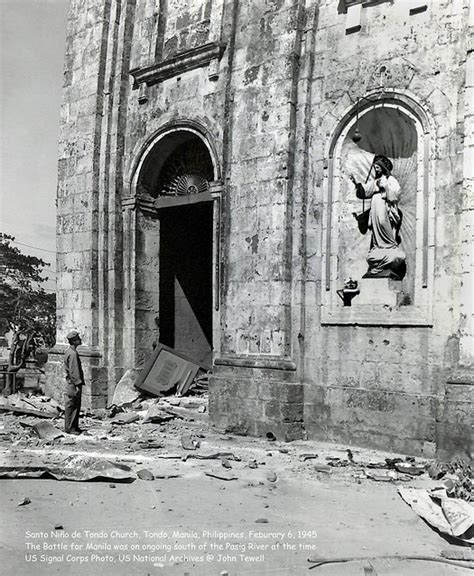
{"points": [[186, 279]]}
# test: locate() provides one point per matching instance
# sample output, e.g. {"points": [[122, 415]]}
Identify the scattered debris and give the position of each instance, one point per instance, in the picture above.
{"points": [[76, 467], [184, 413], [214, 456], [457, 476], [188, 442], [201, 382], [47, 431], [391, 463], [125, 418], [173, 401], [24, 502], [125, 392], [323, 468], [451, 516], [220, 476], [166, 476], [148, 444], [145, 474], [307, 456], [410, 468], [19, 407], [157, 415]]}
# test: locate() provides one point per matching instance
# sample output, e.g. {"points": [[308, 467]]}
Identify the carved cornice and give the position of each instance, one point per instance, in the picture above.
{"points": [[188, 60]]}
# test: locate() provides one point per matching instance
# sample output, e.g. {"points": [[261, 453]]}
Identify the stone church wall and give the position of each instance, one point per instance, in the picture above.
{"points": [[273, 91]]}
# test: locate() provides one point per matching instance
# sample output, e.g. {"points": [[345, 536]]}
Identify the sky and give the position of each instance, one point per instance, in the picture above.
{"points": [[32, 44]]}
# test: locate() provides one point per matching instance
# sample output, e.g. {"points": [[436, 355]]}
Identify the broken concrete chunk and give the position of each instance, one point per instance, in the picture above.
{"points": [[323, 468], [125, 391], [23, 407], [46, 431], [145, 474], [157, 415], [125, 418], [411, 468], [188, 442], [173, 401], [307, 456]]}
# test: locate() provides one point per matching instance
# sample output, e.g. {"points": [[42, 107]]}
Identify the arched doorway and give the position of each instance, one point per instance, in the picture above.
{"points": [[174, 247]]}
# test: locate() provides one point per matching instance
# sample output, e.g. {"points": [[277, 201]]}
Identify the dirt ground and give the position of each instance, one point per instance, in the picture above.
{"points": [[267, 512]]}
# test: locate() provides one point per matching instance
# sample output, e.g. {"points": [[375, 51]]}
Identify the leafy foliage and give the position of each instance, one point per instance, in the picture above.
{"points": [[24, 304]]}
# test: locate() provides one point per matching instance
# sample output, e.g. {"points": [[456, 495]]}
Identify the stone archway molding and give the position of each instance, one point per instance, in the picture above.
{"points": [[138, 207], [144, 148]]}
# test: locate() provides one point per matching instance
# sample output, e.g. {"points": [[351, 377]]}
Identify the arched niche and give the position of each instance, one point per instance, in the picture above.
{"points": [[170, 238], [399, 129]]}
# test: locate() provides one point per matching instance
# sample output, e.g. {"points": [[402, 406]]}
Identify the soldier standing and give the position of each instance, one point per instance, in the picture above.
{"points": [[75, 382]]}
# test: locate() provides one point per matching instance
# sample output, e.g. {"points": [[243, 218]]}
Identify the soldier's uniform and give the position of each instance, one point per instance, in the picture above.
{"points": [[74, 384]]}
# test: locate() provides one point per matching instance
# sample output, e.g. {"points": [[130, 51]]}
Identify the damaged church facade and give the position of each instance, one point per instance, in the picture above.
{"points": [[206, 201]]}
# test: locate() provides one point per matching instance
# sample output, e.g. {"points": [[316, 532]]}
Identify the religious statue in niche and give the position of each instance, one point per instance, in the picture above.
{"points": [[384, 219]]}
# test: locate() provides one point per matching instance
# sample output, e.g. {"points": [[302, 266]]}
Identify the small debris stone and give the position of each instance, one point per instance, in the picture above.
{"points": [[145, 474], [253, 464], [306, 456], [24, 502], [189, 443], [323, 468], [261, 521], [58, 527], [226, 463], [271, 477], [112, 486]]}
